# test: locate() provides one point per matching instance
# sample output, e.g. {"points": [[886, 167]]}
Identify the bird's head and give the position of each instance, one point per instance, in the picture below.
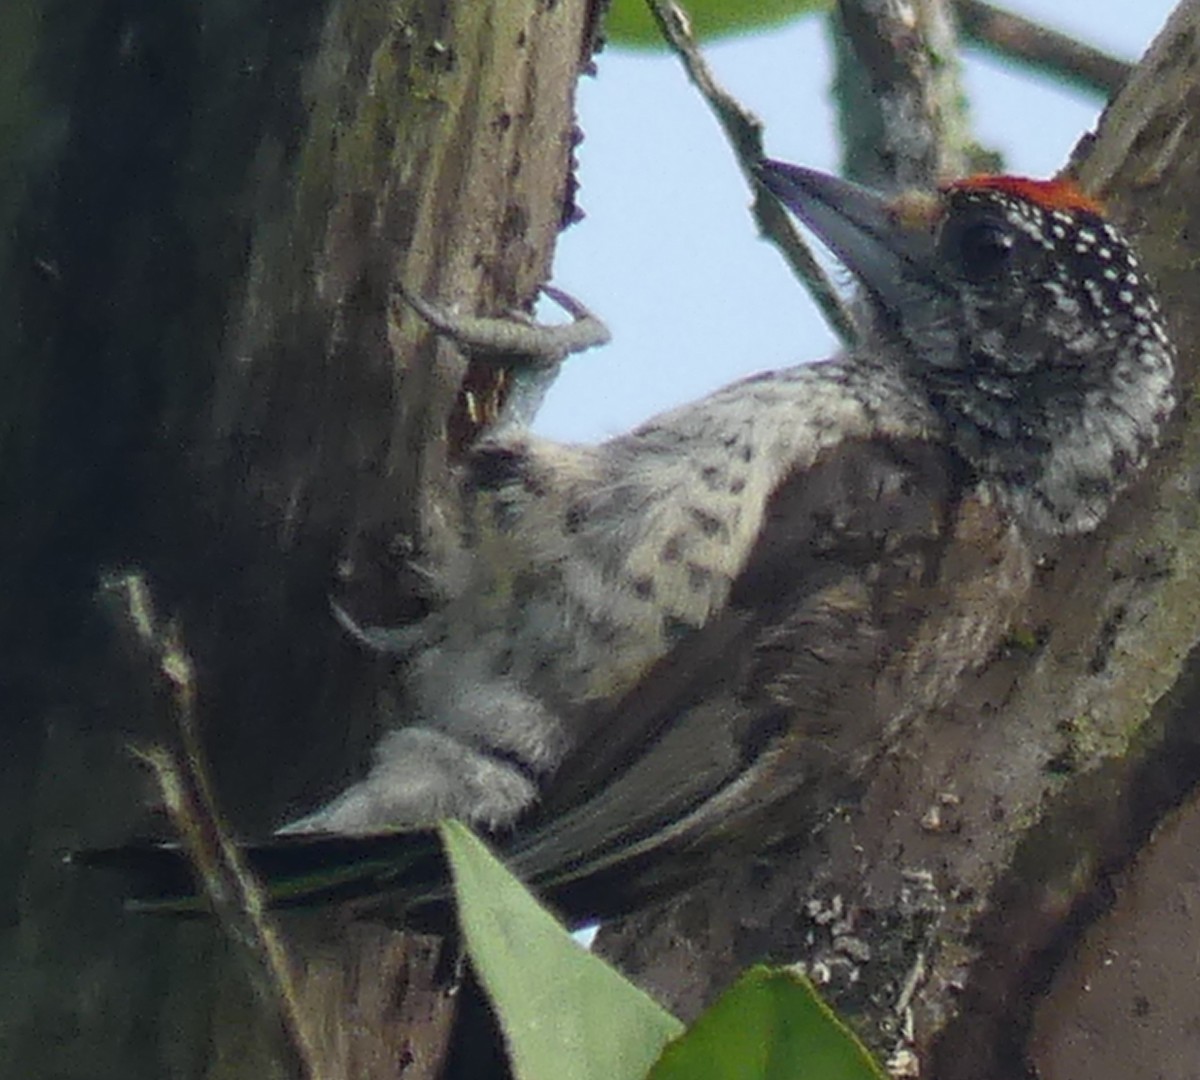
{"points": [[1022, 315]]}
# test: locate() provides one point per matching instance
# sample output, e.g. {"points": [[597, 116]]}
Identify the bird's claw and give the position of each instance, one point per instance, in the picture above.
{"points": [[515, 340], [394, 640]]}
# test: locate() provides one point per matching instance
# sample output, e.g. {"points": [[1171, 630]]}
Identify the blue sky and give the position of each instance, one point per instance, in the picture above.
{"points": [[668, 253]]}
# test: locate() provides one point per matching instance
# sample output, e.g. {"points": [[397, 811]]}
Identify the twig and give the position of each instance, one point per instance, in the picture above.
{"points": [[237, 898], [744, 132], [1041, 48]]}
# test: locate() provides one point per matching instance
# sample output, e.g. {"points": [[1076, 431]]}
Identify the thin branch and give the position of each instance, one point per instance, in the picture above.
{"points": [[900, 104], [1038, 47], [744, 132], [186, 787]]}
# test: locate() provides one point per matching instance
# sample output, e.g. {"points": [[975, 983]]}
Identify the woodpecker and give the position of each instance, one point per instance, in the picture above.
{"points": [[659, 634]]}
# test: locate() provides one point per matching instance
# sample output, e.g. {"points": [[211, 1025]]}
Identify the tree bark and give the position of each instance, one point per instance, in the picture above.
{"points": [[938, 905], [205, 208]]}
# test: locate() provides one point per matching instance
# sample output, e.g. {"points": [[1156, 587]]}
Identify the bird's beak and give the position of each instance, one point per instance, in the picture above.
{"points": [[888, 244]]}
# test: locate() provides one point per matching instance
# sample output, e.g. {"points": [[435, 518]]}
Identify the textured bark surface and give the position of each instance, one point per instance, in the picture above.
{"points": [[1124, 1003], [946, 894], [205, 207]]}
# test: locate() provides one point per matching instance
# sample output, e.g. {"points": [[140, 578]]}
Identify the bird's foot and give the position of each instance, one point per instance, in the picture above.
{"points": [[516, 339]]}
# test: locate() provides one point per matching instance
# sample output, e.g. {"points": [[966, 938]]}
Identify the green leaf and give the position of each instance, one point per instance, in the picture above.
{"points": [[565, 1014], [771, 1025], [630, 24]]}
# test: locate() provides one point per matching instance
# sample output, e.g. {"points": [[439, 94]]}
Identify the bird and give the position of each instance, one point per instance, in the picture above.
{"points": [[689, 636]]}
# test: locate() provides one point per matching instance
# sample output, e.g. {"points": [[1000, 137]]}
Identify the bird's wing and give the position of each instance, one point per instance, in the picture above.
{"points": [[857, 609]]}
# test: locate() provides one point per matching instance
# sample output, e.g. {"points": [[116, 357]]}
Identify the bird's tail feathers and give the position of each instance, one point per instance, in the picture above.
{"points": [[296, 871]]}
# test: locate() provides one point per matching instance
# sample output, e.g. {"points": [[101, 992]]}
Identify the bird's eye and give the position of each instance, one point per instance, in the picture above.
{"points": [[981, 248]]}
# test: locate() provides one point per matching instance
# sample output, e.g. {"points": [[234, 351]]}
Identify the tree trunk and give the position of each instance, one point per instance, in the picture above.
{"points": [[939, 904], [205, 208]]}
